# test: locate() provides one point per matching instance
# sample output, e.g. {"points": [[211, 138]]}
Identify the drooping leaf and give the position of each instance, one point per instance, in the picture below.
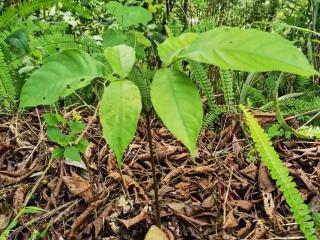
{"points": [[119, 114], [178, 104], [172, 47], [112, 38], [19, 39], [248, 50], [72, 153], [121, 58], [129, 16], [60, 76]]}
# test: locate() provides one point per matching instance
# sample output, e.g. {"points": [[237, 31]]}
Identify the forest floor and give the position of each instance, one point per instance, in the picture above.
{"points": [[226, 194]]}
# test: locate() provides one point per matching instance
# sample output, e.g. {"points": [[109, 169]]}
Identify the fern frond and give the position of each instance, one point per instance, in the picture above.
{"points": [[210, 118], [302, 83], [227, 85], [7, 86], [141, 82], [280, 174], [310, 131], [13, 14], [200, 76]]}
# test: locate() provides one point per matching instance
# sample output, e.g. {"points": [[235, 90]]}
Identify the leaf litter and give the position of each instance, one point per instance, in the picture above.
{"points": [[96, 203]]}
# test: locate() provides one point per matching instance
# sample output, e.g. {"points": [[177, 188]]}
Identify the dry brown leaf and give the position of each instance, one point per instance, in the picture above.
{"points": [[19, 197], [241, 232], [4, 220], [268, 203], [132, 221], [244, 204], [236, 146], [209, 202], [231, 221], [128, 181], [155, 233], [264, 179], [250, 171], [260, 230], [79, 186]]}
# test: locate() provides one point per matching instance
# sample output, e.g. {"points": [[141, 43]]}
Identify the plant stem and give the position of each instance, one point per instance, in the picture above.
{"points": [[155, 182]]}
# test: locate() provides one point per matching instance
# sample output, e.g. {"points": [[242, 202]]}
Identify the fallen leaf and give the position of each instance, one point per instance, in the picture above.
{"points": [[4, 220], [19, 197], [268, 203], [209, 202], [132, 221], [155, 233], [245, 204], [264, 179], [79, 186], [231, 221]]}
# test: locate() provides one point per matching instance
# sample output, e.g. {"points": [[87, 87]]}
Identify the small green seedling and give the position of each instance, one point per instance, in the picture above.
{"points": [[66, 135]]}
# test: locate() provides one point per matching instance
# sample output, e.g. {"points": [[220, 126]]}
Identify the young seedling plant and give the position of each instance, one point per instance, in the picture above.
{"points": [[174, 97]]}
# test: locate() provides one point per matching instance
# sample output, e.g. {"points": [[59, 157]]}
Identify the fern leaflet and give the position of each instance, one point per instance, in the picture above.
{"points": [[141, 82], [227, 85], [280, 174]]}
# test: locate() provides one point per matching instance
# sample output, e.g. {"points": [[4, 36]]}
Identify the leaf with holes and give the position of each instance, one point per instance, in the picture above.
{"points": [[60, 76], [121, 58], [119, 114], [178, 104], [248, 50]]}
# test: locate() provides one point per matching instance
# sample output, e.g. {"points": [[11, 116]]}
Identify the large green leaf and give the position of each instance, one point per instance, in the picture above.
{"points": [[178, 104], [129, 16], [60, 76], [248, 50], [121, 58], [119, 114], [170, 49], [19, 39]]}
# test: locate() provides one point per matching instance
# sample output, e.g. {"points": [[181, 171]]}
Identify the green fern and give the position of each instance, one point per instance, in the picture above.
{"points": [[12, 15], [280, 174], [137, 77], [200, 76], [303, 83], [7, 86], [310, 131], [227, 85]]}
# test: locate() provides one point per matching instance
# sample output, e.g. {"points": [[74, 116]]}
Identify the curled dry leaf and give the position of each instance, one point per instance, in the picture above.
{"points": [[231, 221], [79, 186], [264, 179], [209, 202], [19, 197], [156, 233], [128, 181], [132, 221], [244, 204], [268, 203]]}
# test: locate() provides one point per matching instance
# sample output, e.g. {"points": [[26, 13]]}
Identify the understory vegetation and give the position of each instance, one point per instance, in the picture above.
{"points": [[159, 120]]}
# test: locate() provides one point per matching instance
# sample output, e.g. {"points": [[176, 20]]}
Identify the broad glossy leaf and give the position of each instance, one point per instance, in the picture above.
{"points": [[248, 50], [121, 58], [171, 48], [178, 104], [60, 76], [119, 114]]}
